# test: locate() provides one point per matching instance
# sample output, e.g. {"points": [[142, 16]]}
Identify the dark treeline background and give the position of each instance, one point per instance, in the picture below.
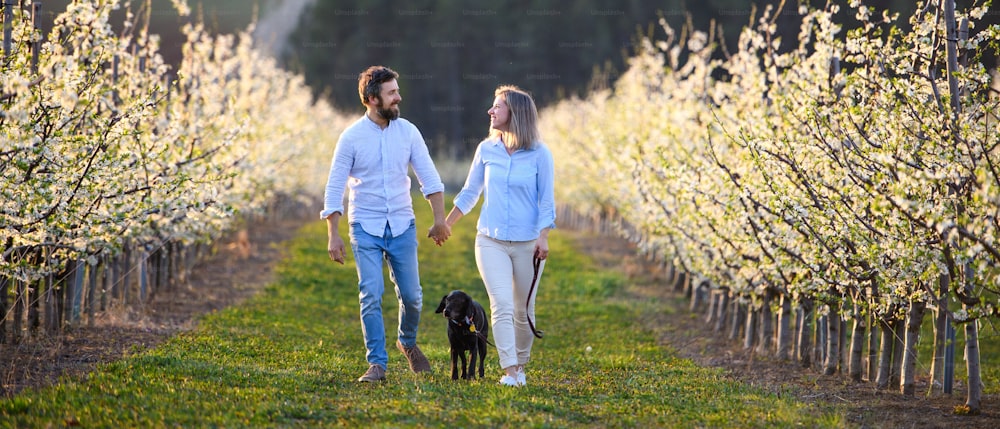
{"points": [[452, 54]]}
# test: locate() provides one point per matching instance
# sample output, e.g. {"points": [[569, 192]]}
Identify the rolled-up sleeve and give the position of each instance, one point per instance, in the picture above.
{"points": [[336, 182], [423, 165], [467, 198], [546, 189]]}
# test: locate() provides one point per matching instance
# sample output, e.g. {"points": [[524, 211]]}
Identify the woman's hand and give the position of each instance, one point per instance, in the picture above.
{"points": [[439, 233], [542, 248]]}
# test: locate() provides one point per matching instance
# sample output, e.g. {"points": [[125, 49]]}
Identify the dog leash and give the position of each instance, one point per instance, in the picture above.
{"points": [[534, 281], [483, 337], [472, 329]]}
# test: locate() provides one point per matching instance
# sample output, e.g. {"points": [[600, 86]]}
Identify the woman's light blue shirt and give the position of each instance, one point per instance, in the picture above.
{"points": [[519, 196]]}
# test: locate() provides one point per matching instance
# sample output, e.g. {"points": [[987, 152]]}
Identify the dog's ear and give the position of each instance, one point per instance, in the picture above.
{"points": [[470, 311], [442, 304]]}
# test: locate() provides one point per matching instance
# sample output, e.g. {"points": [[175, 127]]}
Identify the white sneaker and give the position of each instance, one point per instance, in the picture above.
{"points": [[507, 380], [521, 379]]}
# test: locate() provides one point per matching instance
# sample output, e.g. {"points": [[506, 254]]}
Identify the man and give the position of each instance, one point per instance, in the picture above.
{"points": [[372, 158]]}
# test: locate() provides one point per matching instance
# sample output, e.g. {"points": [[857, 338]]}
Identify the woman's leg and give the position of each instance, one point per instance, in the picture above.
{"points": [[522, 259], [495, 268]]}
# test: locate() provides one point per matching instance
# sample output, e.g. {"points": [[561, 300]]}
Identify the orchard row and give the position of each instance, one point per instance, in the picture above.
{"points": [[857, 173], [109, 155]]}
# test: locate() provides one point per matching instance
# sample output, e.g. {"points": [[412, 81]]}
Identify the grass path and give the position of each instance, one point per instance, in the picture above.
{"points": [[289, 358]]}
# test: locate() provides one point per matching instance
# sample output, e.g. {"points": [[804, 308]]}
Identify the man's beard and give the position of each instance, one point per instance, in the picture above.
{"points": [[389, 113]]}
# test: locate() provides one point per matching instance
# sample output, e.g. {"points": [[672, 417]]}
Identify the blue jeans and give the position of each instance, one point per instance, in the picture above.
{"points": [[401, 253]]}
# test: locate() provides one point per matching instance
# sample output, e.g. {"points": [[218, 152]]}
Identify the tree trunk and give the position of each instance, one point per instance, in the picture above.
{"points": [[803, 343], [873, 346], [34, 301], [713, 301], [940, 336], [683, 281], [973, 369], [105, 281], [32, 296], [899, 334], [145, 275], [975, 387], [833, 342], [766, 324], [4, 291], [720, 318], [798, 330], [698, 293], [785, 334], [914, 318], [845, 344], [819, 355], [739, 315], [172, 274], [874, 330], [55, 298], [113, 288], [92, 285], [126, 271], [49, 302], [669, 273], [163, 269], [76, 293], [19, 299], [61, 301], [3, 308], [971, 329], [885, 353], [857, 344], [751, 329]]}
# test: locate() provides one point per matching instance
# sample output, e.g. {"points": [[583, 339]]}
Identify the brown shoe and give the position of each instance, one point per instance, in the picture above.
{"points": [[375, 373], [418, 362]]}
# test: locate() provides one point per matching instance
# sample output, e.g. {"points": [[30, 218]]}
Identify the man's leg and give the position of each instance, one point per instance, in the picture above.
{"points": [[368, 256], [405, 274]]}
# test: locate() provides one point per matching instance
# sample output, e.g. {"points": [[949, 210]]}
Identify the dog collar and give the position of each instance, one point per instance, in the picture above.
{"points": [[472, 326]]}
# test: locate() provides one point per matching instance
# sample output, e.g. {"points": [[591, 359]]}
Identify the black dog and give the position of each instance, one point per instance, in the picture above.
{"points": [[467, 330]]}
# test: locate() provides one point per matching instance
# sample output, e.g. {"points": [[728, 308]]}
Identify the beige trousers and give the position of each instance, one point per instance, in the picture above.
{"points": [[507, 270]]}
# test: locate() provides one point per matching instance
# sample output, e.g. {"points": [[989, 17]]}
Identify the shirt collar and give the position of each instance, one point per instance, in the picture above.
{"points": [[495, 141], [374, 125]]}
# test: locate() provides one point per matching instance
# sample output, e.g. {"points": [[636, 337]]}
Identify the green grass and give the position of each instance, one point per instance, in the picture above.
{"points": [[289, 357], [989, 351]]}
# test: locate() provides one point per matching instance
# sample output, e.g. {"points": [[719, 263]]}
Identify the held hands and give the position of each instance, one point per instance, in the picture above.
{"points": [[439, 233]]}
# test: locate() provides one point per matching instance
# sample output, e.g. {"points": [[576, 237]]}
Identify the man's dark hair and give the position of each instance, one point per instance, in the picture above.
{"points": [[370, 81]]}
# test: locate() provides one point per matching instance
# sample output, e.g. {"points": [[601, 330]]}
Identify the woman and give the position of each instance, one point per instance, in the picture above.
{"points": [[515, 171]]}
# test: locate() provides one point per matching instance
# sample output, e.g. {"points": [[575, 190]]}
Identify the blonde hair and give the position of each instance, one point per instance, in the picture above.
{"points": [[522, 131]]}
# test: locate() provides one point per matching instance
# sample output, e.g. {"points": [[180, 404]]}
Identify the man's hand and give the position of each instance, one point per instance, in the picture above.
{"points": [[336, 249], [439, 233]]}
